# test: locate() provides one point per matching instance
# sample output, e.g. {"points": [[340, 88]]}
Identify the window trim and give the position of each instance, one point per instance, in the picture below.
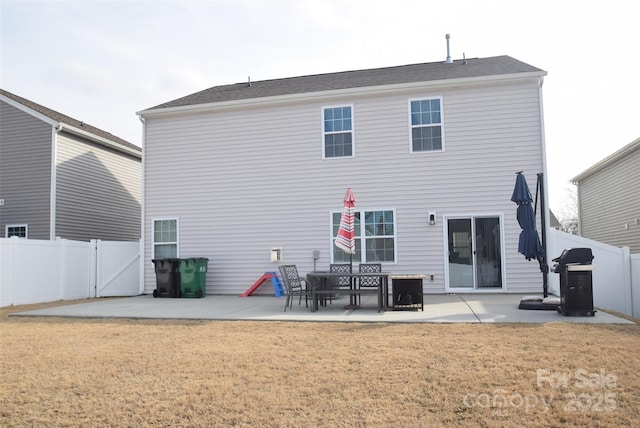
{"points": [[153, 235], [363, 236], [353, 132], [411, 126], [20, 225]]}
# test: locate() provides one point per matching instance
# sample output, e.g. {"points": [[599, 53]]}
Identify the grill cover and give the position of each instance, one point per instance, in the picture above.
{"points": [[581, 256]]}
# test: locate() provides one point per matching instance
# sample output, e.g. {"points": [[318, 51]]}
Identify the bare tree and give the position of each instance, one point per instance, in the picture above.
{"points": [[568, 215]]}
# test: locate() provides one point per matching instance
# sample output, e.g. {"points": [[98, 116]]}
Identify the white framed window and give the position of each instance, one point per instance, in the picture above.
{"points": [[375, 235], [164, 238], [425, 121], [19, 230], [337, 131]]}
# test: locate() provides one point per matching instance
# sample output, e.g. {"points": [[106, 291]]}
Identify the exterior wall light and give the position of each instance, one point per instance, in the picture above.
{"points": [[432, 218]]}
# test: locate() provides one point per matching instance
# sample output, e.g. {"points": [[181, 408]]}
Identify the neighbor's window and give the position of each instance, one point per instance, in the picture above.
{"points": [[426, 125], [165, 238], [19, 230], [375, 237], [338, 131]]}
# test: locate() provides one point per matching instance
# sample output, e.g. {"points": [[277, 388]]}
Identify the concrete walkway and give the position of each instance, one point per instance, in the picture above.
{"points": [[449, 308]]}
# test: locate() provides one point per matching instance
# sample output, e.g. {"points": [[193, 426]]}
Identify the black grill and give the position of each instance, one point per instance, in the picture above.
{"points": [[580, 256], [576, 285]]}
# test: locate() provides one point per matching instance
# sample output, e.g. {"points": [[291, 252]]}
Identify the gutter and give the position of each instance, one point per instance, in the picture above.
{"points": [[98, 139], [634, 145], [319, 95], [59, 127]]}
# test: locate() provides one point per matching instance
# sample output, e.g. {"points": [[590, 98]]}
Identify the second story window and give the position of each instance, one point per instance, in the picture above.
{"points": [[337, 129], [426, 125]]}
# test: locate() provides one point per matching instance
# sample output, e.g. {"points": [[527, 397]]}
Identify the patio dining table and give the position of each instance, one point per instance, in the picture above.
{"points": [[320, 287]]}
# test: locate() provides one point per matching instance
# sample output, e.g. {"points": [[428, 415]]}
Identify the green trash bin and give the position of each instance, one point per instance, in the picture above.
{"points": [[193, 277]]}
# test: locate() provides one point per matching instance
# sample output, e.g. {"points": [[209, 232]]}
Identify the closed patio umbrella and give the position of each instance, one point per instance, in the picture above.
{"points": [[529, 244], [345, 239]]}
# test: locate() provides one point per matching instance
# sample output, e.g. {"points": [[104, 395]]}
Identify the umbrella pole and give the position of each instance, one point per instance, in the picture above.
{"points": [[353, 300], [544, 267]]}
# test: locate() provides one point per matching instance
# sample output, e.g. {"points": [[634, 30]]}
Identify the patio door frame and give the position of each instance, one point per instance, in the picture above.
{"points": [[472, 218]]}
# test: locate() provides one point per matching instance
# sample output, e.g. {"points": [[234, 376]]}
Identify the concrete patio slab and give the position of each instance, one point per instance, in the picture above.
{"points": [[439, 308]]}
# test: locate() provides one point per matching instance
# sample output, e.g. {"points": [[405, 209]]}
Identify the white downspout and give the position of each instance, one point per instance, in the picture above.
{"points": [[52, 190], [544, 159], [555, 289], [142, 214]]}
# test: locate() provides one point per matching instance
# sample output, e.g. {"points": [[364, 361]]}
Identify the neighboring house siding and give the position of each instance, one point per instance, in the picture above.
{"points": [[98, 191], [610, 205], [25, 171], [245, 180]]}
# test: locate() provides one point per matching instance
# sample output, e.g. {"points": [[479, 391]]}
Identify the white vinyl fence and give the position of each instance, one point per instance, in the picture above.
{"points": [[616, 278], [36, 271]]}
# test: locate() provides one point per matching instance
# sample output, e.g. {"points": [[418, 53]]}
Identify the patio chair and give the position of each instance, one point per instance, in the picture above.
{"points": [[342, 281], [369, 281], [294, 285]]}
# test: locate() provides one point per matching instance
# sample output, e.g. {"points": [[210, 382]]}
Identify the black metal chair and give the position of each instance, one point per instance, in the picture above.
{"points": [[294, 285], [341, 281], [369, 281]]}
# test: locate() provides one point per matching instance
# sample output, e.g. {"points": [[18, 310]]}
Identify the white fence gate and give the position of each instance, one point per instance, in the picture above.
{"points": [[36, 271], [117, 268], [616, 278]]}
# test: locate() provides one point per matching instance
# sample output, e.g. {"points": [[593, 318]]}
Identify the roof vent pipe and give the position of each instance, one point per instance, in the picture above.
{"points": [[448, 60]]}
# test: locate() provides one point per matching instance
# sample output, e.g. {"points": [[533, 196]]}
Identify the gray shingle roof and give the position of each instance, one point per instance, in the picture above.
{"points": [[433, 71], [64, 119]]}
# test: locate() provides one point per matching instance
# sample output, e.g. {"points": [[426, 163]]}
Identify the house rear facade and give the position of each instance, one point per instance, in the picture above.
{"points": [[608, 201], [60, 177], [429, 150]]}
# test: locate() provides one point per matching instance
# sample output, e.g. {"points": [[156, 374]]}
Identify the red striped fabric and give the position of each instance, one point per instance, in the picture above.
{"points": [[345, 238]]}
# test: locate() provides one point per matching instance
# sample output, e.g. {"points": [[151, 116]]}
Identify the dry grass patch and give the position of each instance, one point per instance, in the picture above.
{"points": [[64, 372]]}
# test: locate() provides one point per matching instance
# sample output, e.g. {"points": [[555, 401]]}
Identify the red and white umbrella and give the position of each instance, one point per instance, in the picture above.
{"points": [[345, 240]]}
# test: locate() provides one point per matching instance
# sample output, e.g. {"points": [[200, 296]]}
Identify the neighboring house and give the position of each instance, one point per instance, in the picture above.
{"points": [[430, 151], [609, 199], [554, 222], [60, 177]]}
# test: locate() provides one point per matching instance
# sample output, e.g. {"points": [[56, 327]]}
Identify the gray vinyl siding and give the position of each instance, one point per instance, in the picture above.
{"points": [[609, 203], [25, 171], [98, 193], [245, 180]]}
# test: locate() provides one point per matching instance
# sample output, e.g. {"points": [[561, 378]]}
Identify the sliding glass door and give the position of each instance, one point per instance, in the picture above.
{"points": [[475, 259]]}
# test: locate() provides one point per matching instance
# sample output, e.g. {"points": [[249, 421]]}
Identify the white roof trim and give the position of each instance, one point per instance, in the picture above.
{"points": [[319, 95], [99, 140], [29, 111], [58, 126], [634, 145]]}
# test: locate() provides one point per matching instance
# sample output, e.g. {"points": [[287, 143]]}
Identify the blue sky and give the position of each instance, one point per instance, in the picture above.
{"points": [[102, 61]]}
